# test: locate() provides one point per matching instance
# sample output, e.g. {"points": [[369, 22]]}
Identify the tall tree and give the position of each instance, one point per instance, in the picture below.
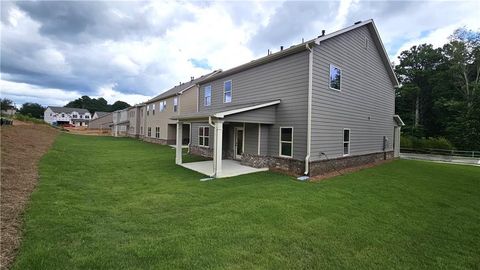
{"points": [[32, 109], [415, 71], [6, 104]]}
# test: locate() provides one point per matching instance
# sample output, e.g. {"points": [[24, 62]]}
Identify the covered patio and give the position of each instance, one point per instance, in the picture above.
{"points": [[259, 113]]}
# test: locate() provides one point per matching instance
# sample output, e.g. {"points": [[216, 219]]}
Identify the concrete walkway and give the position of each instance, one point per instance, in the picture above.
{"points": [[229, 168]]}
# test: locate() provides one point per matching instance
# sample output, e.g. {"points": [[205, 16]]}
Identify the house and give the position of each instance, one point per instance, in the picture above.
{"points": [[135, 118], [157, 125], [99, 114], [319, 106], [8, 111], [66, 116], [101, 121], [120, 123]]}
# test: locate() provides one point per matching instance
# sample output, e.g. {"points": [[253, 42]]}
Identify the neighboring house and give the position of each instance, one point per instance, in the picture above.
{"points": [[157, 126], [62, 116], [99, 114], [120, 123], [135, 118], [323, 105], [9, 111], [103, 122]]}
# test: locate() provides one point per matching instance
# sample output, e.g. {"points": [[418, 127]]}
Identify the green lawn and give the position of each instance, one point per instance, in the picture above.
{"points": [[117, 203]]}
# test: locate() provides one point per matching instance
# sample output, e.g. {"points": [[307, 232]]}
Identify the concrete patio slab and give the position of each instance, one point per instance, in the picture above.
{"points": [[230, 168]]}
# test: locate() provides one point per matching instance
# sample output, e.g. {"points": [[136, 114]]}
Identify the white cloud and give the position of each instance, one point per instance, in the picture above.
{"points": [[107, 92]]}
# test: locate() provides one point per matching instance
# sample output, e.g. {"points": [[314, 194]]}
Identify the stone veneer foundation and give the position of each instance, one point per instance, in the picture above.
{"points": [[319, 167], [158, 141]]}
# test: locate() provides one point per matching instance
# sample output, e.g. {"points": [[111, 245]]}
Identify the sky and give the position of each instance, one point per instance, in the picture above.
{"points": [[53, 52]]}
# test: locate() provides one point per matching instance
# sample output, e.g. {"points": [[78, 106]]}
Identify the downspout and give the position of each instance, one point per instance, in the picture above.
{"points": [[309, 109], [214, 144]]}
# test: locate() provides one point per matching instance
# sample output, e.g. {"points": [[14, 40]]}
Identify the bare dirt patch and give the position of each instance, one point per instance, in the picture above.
{"points": [[92, 132], [22, 146]]}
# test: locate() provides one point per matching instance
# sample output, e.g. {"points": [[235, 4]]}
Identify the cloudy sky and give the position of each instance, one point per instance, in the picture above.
{"points": [[53, 52]]}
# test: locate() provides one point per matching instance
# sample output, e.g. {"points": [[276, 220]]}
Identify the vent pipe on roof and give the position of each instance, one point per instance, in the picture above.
{"points": [[281, 48], [268, 52], [303, 40], [358, 22], [192, 78], [323, 33]]}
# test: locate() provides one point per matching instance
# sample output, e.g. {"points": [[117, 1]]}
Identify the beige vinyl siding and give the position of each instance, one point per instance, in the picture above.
{"points": [[188, 101], [365, 103]]}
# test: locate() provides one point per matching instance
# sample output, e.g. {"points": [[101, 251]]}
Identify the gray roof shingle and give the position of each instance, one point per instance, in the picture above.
{"points": [[67, 110]]}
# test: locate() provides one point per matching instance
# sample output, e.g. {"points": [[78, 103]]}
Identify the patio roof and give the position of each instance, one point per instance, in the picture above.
{"points": [[223, 112]]}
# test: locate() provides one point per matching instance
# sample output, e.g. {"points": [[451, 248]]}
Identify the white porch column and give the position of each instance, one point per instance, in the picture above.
{"points": [[217, 156], [178, 153]]}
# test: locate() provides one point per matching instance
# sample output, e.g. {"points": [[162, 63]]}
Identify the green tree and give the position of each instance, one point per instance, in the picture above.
{"points": [[32, 109], [119, 105], [6, 104]]}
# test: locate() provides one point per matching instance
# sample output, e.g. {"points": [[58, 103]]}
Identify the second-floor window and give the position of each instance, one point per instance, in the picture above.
{"points": [[175, 104], [148, 109], [207, 99], [153, 109], [86, 117], [63, 115], [74, 116], [335, 77], [227, 91], [163, 105]]}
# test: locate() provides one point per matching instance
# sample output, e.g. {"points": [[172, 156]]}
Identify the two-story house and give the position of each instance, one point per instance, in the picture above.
{"points": [[120, 123], [323, 105], [135, 118], [66, 116], [158, 127]]}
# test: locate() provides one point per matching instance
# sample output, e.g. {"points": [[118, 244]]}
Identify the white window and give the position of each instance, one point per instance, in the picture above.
{"points": [[157, 132], [175, 104], [204, 136], [74, 116], [148, 109], [286, 142], [335, 77], [163, 105], [87, 117], [227, 91], [207, 99], [346, 141], [63, 115], [153, 109]]}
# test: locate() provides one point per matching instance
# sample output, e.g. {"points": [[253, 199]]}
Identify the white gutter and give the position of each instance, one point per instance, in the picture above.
{"points": [[309, 110]]}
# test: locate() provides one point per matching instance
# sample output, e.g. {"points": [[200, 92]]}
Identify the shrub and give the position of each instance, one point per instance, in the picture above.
{"points": [[27, 118], [422, 143]]}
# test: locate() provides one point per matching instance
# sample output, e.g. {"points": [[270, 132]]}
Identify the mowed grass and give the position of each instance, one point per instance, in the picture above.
{"points": [[113, 203]]}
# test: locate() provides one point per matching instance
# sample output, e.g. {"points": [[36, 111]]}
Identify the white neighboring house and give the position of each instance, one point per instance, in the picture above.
{"points": [[62, 116], [99, 114]]}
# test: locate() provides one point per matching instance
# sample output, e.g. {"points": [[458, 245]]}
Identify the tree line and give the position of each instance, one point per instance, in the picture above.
{"points": [[85, 102], [439, 94]]}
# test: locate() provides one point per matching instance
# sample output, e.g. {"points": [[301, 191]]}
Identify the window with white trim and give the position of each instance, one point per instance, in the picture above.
{"points": [[163, 105], [175, 104], [207, 99], [157, 132], [227, 91], [335, 77], [86, 116], [204, 136], [153, 109], [149, 132], [346, 141], [148, 109], [286, 141]]}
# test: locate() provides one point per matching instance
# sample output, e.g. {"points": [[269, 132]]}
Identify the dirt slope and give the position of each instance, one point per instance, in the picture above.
{"points": [[22, 146]]}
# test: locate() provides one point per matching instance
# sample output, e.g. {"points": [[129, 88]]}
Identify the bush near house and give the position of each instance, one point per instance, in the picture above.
{"points": [[423, 143]]}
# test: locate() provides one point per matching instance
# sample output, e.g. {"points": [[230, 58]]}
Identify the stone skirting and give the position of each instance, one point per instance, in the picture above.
{"points": [[297, 167], [320, 167], [201, 151], [158, 141]]}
